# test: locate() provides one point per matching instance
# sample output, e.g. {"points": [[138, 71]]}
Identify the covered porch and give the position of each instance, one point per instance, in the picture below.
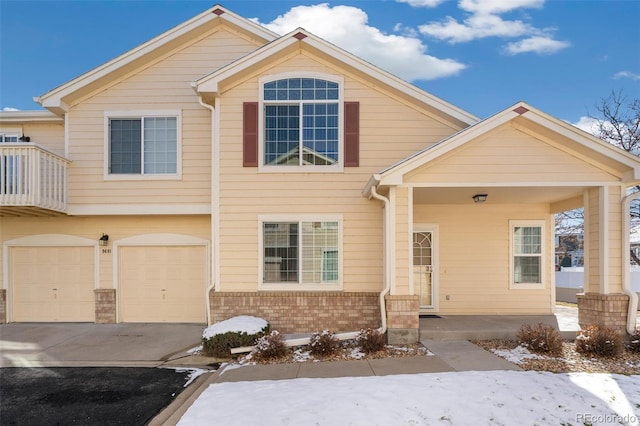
{"points": [[470, 226]]}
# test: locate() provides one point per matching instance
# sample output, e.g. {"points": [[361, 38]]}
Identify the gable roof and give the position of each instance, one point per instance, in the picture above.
{"points": [[211, 85], [57, 99], [527, 119]]}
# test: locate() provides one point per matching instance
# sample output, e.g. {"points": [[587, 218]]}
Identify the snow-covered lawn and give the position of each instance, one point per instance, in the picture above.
{"points": [[463, 398], [460, 398]]}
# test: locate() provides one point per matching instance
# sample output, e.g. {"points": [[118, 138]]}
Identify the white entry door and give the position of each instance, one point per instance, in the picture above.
{"points": [[424, 283]]}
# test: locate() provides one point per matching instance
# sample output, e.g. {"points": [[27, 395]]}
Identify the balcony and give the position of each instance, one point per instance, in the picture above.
{"points": [[33, 180]]}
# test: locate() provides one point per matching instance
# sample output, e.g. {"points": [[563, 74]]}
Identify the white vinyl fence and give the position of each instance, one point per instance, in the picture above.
{"points": [[570, 281]]}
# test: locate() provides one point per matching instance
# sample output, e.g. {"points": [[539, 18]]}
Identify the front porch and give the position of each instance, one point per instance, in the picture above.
{"points": [[33, 180]]}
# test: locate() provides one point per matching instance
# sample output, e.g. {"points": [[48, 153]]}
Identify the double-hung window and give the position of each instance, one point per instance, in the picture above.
{"points": [[301, 122], [527, 254], [143, 145], [300, 253]]}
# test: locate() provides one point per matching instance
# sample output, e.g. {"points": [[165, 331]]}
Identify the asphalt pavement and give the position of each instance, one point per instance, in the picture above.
{"points": [[86, 396]]}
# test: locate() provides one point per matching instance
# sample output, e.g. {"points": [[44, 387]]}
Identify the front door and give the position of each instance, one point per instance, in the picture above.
{"points": [[423, 266]]}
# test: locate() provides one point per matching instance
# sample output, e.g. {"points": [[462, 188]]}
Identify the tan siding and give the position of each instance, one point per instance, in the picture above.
{"points": [[49, 135], [245, 193], [508, 155], [474, 259], [165, 85], [614, 254], [401, 249], [117, 227], [592, 283]]}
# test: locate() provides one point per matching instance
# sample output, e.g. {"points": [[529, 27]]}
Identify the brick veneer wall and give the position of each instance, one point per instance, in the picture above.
{"points": [[301, 312], [3, 306], [403, 311], [603, 309], [105, 299]]}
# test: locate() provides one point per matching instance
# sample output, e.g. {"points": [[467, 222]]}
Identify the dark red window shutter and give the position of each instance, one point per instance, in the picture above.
{"points": [[351, 134], [250, 134]]}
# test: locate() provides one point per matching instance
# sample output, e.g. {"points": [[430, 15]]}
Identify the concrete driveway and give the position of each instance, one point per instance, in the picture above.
{"points": [[92, 345]]}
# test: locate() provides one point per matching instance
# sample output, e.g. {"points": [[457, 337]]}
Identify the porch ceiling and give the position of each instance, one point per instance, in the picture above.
{"points": [[496, 195]]}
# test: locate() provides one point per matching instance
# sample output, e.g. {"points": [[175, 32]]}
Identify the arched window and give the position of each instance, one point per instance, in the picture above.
{"points": [[301, 122]]}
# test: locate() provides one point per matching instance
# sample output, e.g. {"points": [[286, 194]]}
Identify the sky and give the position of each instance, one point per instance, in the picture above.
{"points": [[560, 56]]}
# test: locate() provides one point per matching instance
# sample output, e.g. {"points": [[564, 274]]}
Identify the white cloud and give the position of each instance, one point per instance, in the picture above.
{"points": [[626, 74], [536, 44], [10, 109], [346, 26], [474, 27], [422, 3], [483, 21], [498, 6], [588, 124]]}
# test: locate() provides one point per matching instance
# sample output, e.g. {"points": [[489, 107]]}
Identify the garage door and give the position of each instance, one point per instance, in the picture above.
{"points": [[53, 284], [163, 284]]}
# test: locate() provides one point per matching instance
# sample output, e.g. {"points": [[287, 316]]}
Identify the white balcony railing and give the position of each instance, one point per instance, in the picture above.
{"points": [[32, 176]]}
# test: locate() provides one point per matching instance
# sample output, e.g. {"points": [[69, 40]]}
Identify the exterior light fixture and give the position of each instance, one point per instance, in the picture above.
{"points": [[479, 198], [104, 240]]}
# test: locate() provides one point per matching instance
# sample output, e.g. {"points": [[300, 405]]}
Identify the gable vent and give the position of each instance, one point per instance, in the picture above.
{"points": [[217, 11], [520, 110], [299, 36]]}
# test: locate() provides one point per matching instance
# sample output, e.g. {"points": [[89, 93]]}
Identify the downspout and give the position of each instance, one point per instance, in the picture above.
{"points": [[387, 269], [387, 286], [626, 275], [214, 171]]}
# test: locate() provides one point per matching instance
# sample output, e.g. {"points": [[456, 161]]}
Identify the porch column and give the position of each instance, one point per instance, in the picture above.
{"points": [[603, 301], [402, 306]]}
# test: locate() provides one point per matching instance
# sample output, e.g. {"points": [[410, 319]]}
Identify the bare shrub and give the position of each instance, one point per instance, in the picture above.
{"points": [[599, 340], [634, 341], [540, 338], [371, 340], [270, 347], [323, 343]]}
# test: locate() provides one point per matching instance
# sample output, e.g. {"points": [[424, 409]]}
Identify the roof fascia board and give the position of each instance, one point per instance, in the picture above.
{"points": [[391, 80], [579, 136], [211, 82], [395, 174], [29, 116], [560, 146], [53, 98]]}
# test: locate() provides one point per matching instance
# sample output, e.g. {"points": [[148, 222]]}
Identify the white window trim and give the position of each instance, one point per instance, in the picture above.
{"points": [[137, 114], [288, 286], [543, 255], [335, 168]]}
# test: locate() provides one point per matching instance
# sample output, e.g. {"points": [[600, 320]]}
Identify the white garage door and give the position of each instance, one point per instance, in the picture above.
{"points": [[53, 284], [163, 284]]}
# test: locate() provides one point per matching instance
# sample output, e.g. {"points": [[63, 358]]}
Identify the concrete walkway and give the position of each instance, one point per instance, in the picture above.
{"points": [[447, 356]]}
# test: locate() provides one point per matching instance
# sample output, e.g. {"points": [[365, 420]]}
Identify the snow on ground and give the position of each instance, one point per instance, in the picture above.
{"points": [[517, 355], [459, 398], [243, 323]]}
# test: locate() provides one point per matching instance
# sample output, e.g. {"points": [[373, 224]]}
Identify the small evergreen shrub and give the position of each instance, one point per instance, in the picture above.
{"points": [[634, 341], [540, 338], [371, 340], [599, 340], [323, 343], [270, 346], [220, 345]]}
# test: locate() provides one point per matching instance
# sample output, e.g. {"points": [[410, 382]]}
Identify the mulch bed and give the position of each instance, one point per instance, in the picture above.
{"points": [[347, 351], [571, 361]]}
